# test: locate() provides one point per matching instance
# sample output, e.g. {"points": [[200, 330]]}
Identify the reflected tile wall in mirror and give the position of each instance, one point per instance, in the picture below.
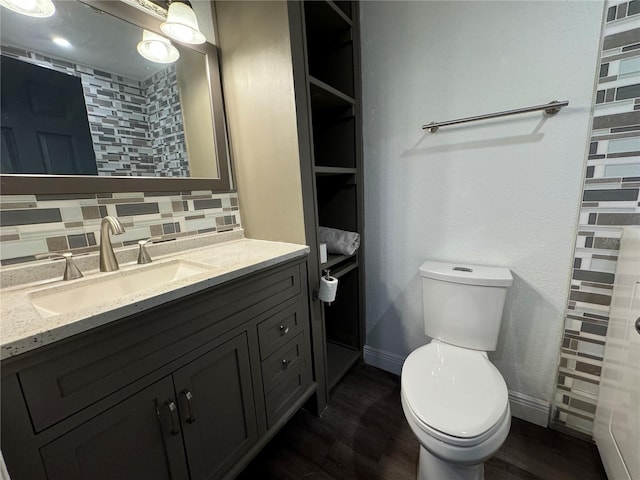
{"points": [[35, 224], [136, 125]]}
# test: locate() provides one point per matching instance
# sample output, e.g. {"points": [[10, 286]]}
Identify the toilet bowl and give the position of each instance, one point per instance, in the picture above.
{"points": [[456, 404], [455, 400]]}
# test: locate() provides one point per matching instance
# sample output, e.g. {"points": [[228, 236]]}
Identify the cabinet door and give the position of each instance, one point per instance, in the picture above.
{"points": [[138, 439], [215, 399]]}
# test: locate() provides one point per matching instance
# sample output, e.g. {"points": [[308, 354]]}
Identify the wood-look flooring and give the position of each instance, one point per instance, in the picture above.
{"points": [[363, 435]]}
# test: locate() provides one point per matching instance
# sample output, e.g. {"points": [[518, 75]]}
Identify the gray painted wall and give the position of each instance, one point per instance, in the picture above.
{"points": [[503, 192]]}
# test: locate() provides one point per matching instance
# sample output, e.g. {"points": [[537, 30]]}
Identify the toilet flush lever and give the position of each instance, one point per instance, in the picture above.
{"points": [[463, 269]]}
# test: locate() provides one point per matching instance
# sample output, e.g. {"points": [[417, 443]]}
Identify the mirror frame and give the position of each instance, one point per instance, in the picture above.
{"points": [[26, 184]]}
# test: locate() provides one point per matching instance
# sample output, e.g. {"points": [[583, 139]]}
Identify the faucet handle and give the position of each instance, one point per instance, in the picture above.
{"points": [[71, 270], [143, 255]]}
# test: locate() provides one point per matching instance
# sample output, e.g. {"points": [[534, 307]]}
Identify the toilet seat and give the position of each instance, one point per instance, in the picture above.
{"points": [[454, 394], [449, 439]]}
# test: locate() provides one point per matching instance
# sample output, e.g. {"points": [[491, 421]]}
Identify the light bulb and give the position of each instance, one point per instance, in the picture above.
{"points": [[182, 24], [157, 48], [31, 8], [181, 33], [63, 42]]}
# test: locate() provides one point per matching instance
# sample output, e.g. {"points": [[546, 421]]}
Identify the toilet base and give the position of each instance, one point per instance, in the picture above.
{"points": [[431, 467]]}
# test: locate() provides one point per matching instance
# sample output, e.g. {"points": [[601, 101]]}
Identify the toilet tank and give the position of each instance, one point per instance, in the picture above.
{"points": [[462, 304]]}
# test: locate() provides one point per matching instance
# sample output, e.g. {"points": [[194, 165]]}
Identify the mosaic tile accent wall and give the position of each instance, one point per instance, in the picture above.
{"points": [[133, 111], [610, 201], [36, 224]]}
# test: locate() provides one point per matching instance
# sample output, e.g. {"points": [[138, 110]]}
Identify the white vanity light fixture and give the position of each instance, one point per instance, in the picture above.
{"points": [[182, 24], [157, 48], [31, 8]]}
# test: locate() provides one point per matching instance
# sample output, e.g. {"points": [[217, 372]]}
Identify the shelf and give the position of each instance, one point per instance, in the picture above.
{"points": [[334, 141], [342, 316], [335, 260], [345, 6], [330, 50], [344, 270], [340, 359], [325, 18], [335, 171], [337, 202], [324, 95]]}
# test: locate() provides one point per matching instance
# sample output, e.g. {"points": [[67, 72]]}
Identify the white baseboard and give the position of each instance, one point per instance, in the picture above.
{"points": [[524, 407], [531, 409], [388, 361]]}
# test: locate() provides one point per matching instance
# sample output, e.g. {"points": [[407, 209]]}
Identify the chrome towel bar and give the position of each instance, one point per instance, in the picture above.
{"points": [[550, 108]]}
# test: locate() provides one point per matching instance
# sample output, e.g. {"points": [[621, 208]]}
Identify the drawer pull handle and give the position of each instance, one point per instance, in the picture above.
{"points": [[188, 402], [174, 421], [286, 363], [283, 330]]}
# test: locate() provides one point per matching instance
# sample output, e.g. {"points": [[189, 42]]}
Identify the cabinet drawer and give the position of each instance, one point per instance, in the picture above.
{"points": [[286, 392], [67, 377], [277, 330], [288, 357]]}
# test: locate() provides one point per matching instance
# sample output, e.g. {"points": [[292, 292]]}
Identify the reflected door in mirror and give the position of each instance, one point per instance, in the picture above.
{"points": [[44, 122]]}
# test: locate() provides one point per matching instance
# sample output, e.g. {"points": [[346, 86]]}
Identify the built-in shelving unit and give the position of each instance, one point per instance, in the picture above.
{"points": [[332, 82]]}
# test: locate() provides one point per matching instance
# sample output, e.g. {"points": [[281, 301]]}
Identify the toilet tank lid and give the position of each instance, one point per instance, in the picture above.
{"points": [[467, 274]]}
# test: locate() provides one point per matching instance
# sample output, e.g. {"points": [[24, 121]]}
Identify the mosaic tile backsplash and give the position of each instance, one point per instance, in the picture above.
{"points": [[610, 201], [35, 224], [135, 112]]}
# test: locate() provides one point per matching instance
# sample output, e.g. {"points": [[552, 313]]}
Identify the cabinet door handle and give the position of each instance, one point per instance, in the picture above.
{"points": [[283, 330], [174, 421], [188, 403], [285, 363]]}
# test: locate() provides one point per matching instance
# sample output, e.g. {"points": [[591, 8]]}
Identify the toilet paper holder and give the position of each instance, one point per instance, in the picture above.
{"points": [[316, 292]]}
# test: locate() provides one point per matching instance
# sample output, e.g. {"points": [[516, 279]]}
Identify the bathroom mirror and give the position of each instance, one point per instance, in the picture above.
{"points": [[83, 111]]}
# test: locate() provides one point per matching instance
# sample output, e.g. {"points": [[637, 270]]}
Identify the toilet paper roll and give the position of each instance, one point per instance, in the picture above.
{"points": [[328, 289]]}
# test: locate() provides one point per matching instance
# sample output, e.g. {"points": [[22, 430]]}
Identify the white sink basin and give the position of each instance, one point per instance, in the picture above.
{"points": [[100, 290]]}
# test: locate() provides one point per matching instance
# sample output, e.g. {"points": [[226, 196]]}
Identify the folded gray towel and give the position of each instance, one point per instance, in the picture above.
{"points": [[339, 241]]}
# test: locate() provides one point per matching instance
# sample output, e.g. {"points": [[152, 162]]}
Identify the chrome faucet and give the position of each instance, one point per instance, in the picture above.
{"points": [[108, 261]]}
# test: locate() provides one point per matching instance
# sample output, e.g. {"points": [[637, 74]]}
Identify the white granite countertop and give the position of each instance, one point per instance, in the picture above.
{"points": [[23, 328]]}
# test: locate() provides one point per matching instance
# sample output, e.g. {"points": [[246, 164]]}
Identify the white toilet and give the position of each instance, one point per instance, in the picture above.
{"points": [[454, 398]]}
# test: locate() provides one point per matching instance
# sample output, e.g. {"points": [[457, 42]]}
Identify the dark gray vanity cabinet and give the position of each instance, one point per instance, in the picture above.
{"points": [[188, 390], [204, 409]]}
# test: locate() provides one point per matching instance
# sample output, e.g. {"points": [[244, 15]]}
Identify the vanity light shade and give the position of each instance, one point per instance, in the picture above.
{"points": [[157, 48], [31, 8], [182, 25]]}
